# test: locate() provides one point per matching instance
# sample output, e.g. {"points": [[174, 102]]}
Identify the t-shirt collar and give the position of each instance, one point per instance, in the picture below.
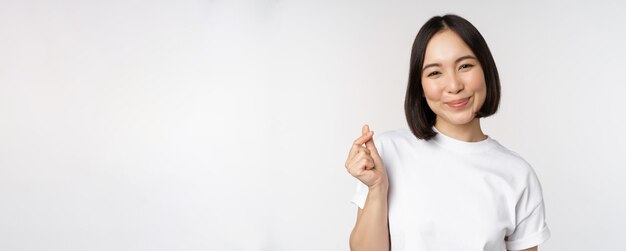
{"points": [[459, 145]]}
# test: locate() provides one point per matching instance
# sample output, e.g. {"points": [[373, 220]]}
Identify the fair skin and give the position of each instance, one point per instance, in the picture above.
{"points": [[371, 231], [451, 73], [454, 88]]}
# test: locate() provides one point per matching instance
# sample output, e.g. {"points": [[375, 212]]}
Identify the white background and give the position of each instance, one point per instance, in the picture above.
{"points": [[224, 125]]}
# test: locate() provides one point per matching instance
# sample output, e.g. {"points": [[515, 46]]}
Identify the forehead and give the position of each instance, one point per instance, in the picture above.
{"points": [[445, 46]]}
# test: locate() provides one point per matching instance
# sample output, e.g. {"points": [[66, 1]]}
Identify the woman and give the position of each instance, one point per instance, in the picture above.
{"points": [[442, 184]]}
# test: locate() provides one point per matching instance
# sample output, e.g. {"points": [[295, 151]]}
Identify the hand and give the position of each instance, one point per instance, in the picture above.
{"points": [[364, 162]]}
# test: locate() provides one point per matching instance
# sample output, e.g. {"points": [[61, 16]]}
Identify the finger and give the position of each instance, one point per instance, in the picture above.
{"points": [[363, 155], [361, 165], [365, 129], [356, 145], [372, 147], [360, 152], [363, 138], [359, 143], [369, 163], [354, 150], [357, 158], [353, 167], [364, 149]]}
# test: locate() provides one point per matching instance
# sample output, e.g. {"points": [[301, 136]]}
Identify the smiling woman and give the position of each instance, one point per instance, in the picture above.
{"points": [[444, 43], [442, 184], [454, 87]]}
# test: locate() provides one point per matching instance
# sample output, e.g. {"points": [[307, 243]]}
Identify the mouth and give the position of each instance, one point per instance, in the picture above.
{"points": [[459, 103]]}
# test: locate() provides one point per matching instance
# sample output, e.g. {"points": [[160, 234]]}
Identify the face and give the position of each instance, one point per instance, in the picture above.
{"points": [[452, 79]]}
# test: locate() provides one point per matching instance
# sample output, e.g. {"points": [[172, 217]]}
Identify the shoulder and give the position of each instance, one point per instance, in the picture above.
{"points": [[400, 142], [515, 164], [500, 152], [399, 134], [503, 152], [395, 137]]}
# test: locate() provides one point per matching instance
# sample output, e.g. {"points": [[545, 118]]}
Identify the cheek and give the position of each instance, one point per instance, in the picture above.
{"points": [[431, 90], [475, 81], [476, 84]]}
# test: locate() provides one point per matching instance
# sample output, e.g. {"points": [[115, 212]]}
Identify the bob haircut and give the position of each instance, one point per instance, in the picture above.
{"points": [[419, 116]]}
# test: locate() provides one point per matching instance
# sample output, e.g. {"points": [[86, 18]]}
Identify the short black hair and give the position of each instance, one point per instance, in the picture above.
{"points": [[419, 116]]}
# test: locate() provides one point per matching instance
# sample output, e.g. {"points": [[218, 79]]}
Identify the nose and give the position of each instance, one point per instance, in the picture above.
{"points": [[455, 85]]}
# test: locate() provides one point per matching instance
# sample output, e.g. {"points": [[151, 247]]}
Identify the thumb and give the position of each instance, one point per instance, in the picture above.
{"points": [[372, 147], [365, 129]]}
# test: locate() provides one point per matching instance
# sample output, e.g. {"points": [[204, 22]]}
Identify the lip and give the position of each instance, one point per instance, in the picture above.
{"points": [[459, 103]]}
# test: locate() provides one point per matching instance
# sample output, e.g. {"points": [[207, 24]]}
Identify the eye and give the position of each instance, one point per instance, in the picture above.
{"points": [[434, 73], [465, 66]]}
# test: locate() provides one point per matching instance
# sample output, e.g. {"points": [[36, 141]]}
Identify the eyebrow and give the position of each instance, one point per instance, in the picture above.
{"points": [[455, 61]]}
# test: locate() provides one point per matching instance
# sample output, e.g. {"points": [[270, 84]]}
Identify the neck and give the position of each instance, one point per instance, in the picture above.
{"points": [[470, 132]]}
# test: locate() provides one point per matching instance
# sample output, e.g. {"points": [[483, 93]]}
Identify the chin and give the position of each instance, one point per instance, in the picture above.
{"points": [[462, 122], [460, 119]]}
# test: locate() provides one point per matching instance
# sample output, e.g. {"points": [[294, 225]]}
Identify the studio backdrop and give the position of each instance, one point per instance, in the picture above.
{"points": [[224, 125]]}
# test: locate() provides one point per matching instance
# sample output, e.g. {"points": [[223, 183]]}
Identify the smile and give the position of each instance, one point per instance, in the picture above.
{"points": [[459, 103]]}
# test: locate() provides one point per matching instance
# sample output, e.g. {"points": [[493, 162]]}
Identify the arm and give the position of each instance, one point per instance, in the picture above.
{"points": [[371, 231]]}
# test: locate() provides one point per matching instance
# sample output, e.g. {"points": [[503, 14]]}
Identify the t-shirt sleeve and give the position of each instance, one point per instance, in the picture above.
{"points": [[360, 195], [531, 228]]}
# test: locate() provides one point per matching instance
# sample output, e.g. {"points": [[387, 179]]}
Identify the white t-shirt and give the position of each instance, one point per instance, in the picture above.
{"points": [[447, 194]]}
